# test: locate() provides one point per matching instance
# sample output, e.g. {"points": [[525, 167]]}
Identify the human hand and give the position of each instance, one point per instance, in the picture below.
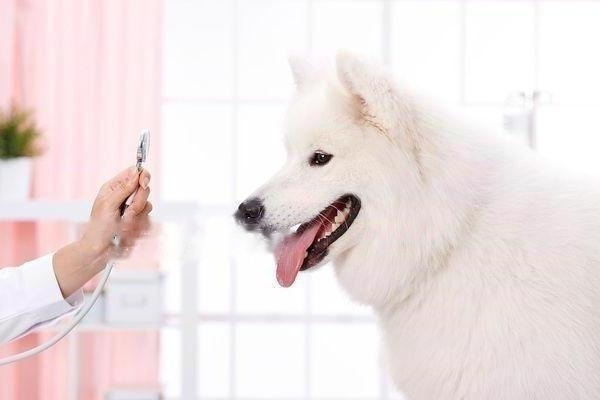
{"points": [[78, 262]]}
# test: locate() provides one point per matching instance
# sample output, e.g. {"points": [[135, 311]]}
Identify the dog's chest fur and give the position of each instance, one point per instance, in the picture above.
{"points": [[513, 312]]}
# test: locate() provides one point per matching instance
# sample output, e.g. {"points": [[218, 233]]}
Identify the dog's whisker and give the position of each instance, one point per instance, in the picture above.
{"points": [[341, 211], [324, 217]]}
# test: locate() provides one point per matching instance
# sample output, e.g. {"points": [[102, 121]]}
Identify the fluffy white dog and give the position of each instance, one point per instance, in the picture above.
{"points": [[481, 261]]}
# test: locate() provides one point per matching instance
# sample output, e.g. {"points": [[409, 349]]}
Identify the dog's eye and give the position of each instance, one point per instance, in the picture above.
{"points": [[320, 158]]}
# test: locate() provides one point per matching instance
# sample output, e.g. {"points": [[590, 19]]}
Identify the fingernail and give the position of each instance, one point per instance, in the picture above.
{"points": [[144, 183]]}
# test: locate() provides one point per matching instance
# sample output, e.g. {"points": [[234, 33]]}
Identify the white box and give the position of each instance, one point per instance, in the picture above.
{"points": [[134, 297]]}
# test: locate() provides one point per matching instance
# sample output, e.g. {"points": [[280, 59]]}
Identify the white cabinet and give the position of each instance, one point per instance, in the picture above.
{"points": [[134, 297]]}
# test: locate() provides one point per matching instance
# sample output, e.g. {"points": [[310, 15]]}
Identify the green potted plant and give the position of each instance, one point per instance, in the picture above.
{"points": [[18, 144]]}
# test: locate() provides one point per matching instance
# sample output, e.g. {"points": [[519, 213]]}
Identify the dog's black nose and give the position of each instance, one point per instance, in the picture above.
{"points": [[250, 212]]}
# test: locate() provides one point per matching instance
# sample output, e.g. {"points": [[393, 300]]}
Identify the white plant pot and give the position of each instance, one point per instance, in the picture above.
{"points": [[15, 179]]}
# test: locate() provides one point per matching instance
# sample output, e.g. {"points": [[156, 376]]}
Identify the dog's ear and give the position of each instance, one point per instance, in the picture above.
{"points": [[302, 70], [372, 89]]}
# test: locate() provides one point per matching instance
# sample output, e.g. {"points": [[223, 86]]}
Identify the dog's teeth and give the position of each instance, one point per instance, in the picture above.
{"points": [[305, 254]]}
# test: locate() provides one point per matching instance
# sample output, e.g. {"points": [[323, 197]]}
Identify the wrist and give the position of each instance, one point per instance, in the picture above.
{"points": [[88, 251], [75, 264]]}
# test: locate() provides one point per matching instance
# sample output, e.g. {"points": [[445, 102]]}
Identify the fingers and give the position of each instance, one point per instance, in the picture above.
{"points": [[116, 191], [144, 179], [138, 204], [132, 230], [137, 225], [105, 221], [148, 209]]}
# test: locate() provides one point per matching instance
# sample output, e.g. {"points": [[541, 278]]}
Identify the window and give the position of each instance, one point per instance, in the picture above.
{"points": [[225, 86]]}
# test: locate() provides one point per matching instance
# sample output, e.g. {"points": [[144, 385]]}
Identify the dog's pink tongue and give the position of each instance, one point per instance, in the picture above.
{"points": [[289, 254]]}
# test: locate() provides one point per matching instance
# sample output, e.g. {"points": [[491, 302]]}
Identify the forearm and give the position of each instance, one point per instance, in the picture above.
{"points": [[74, 265]]}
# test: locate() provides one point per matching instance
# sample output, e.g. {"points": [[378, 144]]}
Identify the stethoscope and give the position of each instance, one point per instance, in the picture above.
{"points": [[141, 155]]}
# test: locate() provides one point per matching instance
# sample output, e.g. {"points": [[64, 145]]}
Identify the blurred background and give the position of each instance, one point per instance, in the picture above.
{"points": [[210, 78]]}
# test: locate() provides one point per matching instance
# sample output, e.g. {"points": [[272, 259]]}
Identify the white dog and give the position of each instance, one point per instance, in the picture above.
{"points": [[481, 261]]}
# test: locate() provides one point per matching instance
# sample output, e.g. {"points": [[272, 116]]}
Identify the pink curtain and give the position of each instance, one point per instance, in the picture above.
{"points": [[90, 70]]}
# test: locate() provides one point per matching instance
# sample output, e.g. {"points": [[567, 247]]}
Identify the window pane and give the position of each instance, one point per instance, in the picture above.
{"points": [[214, 273], [260, 146], [488, 117], [269, 31], [197, 59], [270, 361], [499, 49], [344, 361], [569, 57], [214, 341], [170, 362], [570, 137], [258, 291], [425, 46], [171, 251], [351, 25], [197, 153]]}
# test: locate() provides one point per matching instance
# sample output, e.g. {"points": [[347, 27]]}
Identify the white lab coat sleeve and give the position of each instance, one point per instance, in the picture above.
{"points": [[30, 297]]}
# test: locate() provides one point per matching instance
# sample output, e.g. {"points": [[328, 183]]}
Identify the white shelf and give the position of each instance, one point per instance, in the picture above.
{"points": [[79, 210], [98, 327]]}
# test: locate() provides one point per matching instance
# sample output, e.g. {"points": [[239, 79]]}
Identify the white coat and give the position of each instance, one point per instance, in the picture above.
{"points": [[30, 297]]}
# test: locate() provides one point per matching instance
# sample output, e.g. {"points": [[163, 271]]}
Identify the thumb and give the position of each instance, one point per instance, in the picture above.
{"points": [[120, 187]]}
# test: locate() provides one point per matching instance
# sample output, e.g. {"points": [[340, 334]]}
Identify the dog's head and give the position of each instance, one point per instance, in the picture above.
{"points": [[342, 139]]}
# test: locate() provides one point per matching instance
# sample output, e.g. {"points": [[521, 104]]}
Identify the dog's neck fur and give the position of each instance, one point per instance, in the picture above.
{"points": [[403, 287], [444, 210]]}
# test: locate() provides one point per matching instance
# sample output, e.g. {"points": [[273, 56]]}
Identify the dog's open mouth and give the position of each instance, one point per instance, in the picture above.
{"points": [[308, 245]]}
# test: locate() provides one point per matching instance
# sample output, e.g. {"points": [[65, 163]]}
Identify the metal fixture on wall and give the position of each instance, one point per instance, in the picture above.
{"points": [[520, 115]]}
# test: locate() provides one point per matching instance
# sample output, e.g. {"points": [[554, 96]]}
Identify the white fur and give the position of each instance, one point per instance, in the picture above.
{"points": [[481, 261]]}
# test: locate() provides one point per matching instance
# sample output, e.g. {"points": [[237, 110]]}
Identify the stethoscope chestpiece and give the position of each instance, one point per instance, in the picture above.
{"points": [[143, 148]]}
